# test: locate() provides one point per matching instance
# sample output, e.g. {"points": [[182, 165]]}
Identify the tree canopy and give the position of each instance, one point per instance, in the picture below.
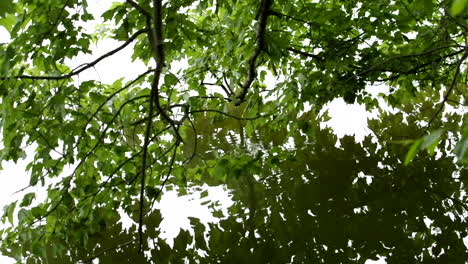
{"points": [[237, 113]]}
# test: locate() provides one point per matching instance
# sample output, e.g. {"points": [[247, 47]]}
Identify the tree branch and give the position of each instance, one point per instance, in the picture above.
{"points": [[281, 15], [261, 28], [156, 40], [112, 175], [447, 94], [229, 115], [171, 165], [413, 70], [90, 260], [139, 8], [228, 93]]}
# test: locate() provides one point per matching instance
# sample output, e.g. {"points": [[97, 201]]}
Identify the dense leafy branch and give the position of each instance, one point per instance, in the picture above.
{"points": [[376, 67], [66, 186], [121, 165], [107, 101], [195, 141], [112, 174], [423, 67]]}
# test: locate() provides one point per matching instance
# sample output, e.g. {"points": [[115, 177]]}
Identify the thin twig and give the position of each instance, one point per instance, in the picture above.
{"points": [[281, 15], [89, 260], [228, 93], [145, 154], [78, 71], [171, 165], [229, 115], [195, 141], [139, 8]]}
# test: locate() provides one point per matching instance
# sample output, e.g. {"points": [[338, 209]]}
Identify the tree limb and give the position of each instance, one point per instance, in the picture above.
{"points": [[260, 43], [156, 40]]}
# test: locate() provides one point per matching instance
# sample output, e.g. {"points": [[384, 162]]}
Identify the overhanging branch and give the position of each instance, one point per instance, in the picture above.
{"points": [[81, 69], [397, 57]]}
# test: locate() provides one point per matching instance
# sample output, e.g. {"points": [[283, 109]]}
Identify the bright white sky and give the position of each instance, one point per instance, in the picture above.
{"points": [[345, 120]]}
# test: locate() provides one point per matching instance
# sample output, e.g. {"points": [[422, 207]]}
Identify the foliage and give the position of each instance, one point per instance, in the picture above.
{"points": [[458, 6], [220, 121]]}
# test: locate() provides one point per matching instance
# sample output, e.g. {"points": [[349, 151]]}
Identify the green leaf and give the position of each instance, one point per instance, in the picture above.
{"points": [[170, 79], [458, 6], [23, 215], [423, 7], [6, 6], [462, 147], [27, 199], [221, 169], [430, 141], [37, 212], [8, 212], [151, 192], [8, 21], [39, 249], [414, 149]]}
